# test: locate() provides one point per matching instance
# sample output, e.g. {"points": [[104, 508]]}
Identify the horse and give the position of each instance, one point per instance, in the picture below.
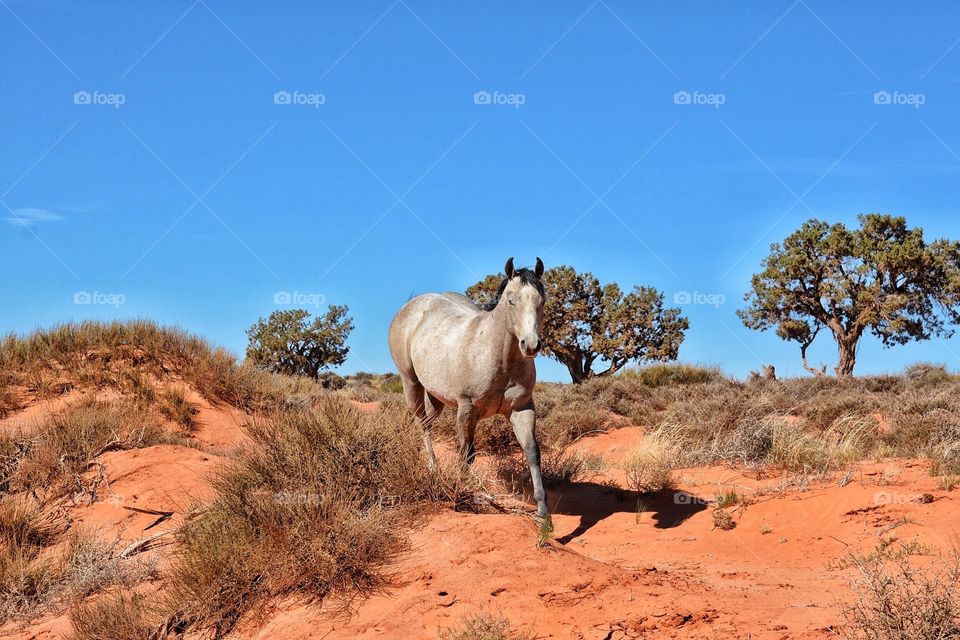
{"points": [[479, 361]]}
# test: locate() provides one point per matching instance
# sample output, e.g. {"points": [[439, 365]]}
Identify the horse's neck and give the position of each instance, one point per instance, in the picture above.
{"points": [[502, 341]]}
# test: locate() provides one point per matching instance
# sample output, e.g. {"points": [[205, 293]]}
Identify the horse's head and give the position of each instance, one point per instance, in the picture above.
{"points": [[521, 298]]}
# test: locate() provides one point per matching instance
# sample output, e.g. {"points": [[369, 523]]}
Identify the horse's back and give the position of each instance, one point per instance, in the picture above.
{"points": [[439, 317]]}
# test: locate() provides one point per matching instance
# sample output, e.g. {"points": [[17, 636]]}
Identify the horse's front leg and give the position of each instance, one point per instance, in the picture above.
{"points": [[524, 424]]}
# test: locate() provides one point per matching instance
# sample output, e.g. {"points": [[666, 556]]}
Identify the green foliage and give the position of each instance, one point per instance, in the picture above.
{"points": [[882, 277], [292, 342], [585, 321]]}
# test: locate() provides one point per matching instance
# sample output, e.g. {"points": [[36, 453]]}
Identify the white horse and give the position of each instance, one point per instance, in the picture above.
{"points": [[479, 361]]}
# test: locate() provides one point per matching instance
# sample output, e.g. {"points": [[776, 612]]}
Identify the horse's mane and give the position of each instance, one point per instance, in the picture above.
{"points": [[528, 276]]}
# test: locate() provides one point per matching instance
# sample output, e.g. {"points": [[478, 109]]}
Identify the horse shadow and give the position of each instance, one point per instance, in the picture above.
{"points": [[594, 502]]}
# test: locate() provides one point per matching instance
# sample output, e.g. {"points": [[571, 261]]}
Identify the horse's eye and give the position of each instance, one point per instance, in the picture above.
{"points": [[511, 302]]}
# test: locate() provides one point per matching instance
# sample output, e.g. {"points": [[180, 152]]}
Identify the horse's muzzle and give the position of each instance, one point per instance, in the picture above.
{"points": [[530, 352]]}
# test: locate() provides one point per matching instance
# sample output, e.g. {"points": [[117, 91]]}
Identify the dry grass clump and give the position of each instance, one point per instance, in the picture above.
{"points": [[317, 507], [897, 600], [558, 467], [571, 421], [174, 405], [93, 355], [43, 565], [8, 399], [54, 457], [928, 374], [673, 374], [783, 442], [650, 466], [483, 626], [116, 616]]}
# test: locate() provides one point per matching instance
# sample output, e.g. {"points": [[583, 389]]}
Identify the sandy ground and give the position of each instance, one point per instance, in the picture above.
{"points": [[618, 566]]}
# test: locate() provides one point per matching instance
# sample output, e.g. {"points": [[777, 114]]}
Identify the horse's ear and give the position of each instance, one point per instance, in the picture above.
{"points": [[539, 268], [508, 268]]}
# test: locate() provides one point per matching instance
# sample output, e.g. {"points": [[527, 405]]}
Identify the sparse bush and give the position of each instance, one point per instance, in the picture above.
{"points": [[557, 467], [570, 421], [47, 571], [928, 374], [176, 407], [60, 451], [483, 626], [896, 600], [331, 380], [316, 507], [723, 520], [392, 384]]}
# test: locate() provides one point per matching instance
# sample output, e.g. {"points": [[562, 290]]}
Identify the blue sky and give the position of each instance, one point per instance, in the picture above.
{"points": [[664, 144]]}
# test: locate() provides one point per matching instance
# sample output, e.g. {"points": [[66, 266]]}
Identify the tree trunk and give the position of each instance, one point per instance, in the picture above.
{"points": [[574, 366], [846, 356], [577, 366]]}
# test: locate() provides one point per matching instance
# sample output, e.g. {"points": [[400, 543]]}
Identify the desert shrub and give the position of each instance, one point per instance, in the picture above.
{"points": [[796, 449], [117, 616], [482, 626], [944, 449], [895, 600], [316, 507], [723, 520], [494, 435], [625, 396], [918, 417], [331, 380], [392, 384], [675, 373]]}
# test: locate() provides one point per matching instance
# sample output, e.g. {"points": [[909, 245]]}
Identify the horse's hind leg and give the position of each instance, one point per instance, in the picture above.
{"points": [[416, 397], [432, 409], [466, 428]]}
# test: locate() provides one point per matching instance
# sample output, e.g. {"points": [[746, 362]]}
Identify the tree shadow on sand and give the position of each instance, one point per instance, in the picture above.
{"points": [[594, 502]]}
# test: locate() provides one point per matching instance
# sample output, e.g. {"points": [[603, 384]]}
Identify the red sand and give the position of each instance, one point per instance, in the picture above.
{"points": [[615, 569]]}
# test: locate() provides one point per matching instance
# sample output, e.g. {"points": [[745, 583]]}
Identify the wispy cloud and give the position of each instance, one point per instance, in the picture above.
{"points": [[31, 216]]}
